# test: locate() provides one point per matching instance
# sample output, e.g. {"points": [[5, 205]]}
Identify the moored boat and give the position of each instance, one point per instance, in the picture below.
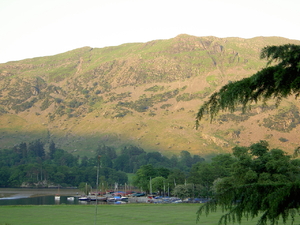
{"points": [[83, 198], [57, 197], [92, 198]]}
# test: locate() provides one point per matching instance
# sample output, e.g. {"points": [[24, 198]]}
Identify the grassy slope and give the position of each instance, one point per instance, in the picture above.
{"points": [[198, 64]]}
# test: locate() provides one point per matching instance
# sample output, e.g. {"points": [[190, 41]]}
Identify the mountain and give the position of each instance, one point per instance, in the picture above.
{"points": [[143, 94]]}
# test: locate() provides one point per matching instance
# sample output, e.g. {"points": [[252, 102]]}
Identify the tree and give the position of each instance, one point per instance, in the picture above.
{"points": [[4, 176], [143, 175], [158, 184], [163, 172], [204, 174], [183, 191], [186, 159], [121, 163], [276, 81], [263, 180], [36, 149], [106, 150], [85, 188], [176, 177], [52, 149]]}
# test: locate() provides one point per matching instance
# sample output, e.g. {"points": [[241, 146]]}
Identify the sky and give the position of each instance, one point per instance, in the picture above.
{"points": [[35, 28]]}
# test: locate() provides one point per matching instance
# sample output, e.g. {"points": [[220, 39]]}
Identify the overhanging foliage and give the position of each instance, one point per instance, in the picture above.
{"points": [[263, 183], [269, 201], [276, 81]]}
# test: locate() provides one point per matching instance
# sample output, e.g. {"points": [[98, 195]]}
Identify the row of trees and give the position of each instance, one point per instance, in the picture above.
{"points": [[198, 182], [131, 158], [30, 164], [246, 167]]}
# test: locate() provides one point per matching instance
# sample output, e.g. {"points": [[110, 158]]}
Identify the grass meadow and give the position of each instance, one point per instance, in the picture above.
{"points": [[129, 214]]}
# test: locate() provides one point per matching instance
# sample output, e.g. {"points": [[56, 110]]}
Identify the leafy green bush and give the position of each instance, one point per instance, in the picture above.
{"points": [[84, 91], [283, 139], [122, 113], [144, 102], [184, 97], [26, 105], [46, 103], [164, 106], [2, 110], [58, 100], [190, 96], [234, 117], [152, 113], [74, 103], [119, 97], [155, 88], [60, 110]]}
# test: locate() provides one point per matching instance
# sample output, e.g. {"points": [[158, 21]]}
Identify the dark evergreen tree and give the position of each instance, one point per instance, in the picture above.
{"points": [[122, 163], [36, 149], [277, 81], [186, 159], [110, 152], [52, 149]]}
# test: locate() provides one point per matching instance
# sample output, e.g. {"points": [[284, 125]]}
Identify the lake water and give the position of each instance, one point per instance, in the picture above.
{"points": [[38, 196]]}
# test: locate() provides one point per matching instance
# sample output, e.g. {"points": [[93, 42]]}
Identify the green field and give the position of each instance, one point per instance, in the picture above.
{"points": [[128, 214]]}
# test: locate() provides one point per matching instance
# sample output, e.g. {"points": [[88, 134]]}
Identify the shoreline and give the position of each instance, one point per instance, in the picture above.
{"points": [[13, 193]]}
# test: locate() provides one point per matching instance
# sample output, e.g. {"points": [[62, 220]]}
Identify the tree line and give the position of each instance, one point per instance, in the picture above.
{"points": [[30, 164], [197, 182]]}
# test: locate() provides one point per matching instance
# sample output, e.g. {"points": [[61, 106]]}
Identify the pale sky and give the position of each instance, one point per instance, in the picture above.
{"points": [[34, 28]]}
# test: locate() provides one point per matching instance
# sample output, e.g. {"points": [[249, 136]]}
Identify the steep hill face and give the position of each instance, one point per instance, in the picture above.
{"points": [[144, 94]]}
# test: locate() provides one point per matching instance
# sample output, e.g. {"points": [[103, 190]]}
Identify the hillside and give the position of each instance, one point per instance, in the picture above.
{"points": [[144, 94]]}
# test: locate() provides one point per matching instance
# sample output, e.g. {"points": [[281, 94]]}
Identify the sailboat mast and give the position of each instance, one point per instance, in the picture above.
{"points": [[97, 183]]}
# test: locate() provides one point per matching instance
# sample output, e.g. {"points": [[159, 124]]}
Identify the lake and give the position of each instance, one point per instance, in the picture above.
{"points": [[39, 196]]}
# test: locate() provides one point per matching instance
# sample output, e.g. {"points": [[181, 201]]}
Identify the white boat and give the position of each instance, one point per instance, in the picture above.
{"points": [[124, 199], [117, 199], [70, 198], [84, 198], [97, 198], [57, 196]]}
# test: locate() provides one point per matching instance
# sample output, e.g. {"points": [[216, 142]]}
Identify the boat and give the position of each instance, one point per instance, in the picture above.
{"points": [[119, 202], [70, 198], [57, 197], [124, 199], [98, 198], [93, 198], [118, 199], [84, 198]]}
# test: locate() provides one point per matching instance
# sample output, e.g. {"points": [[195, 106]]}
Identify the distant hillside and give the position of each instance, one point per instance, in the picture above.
{"points": [[144, 94]]}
